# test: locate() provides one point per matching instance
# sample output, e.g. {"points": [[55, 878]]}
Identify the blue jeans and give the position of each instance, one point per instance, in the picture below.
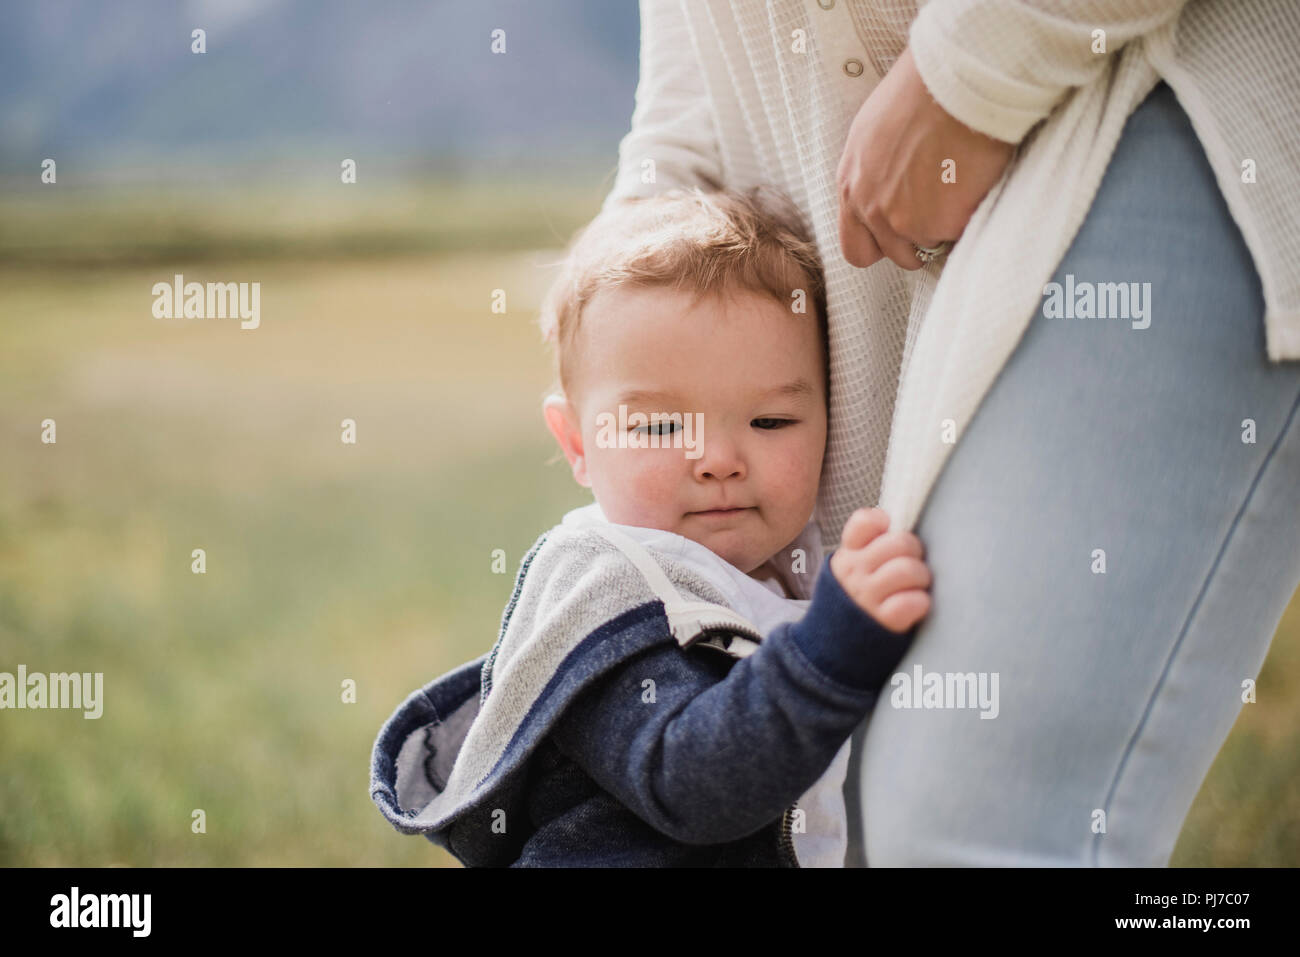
{"points": [[1100, 442]]}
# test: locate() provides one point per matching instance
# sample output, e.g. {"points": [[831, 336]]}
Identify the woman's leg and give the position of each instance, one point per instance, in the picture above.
{"points": [[1100, 441]]}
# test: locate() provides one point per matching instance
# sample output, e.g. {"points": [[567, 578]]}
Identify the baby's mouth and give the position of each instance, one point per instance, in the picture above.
{"points": [[722, 512]]}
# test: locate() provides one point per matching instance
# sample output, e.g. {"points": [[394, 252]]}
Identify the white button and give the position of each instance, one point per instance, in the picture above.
{"points": [[825, 4], [853, 66]]}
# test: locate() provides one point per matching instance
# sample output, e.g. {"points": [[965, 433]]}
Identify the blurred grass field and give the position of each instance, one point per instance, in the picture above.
{"points": [[325, 561]]}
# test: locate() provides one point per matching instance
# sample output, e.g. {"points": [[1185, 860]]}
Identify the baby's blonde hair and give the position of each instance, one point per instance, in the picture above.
{"points": [[687, 239]]}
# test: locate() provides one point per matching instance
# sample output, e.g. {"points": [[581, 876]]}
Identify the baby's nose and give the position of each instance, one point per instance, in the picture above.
{"points": [[721, 459]]}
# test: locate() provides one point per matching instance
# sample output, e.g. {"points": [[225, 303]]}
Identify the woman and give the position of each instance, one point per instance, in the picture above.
{"points": [[1086, 407]]}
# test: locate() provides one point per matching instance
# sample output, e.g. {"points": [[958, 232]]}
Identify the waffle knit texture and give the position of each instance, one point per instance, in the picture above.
{"points": [[734, 93]]}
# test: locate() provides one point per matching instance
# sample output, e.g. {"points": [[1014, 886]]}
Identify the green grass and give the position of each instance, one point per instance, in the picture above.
{"points": [[324, 561], [72, 225]]}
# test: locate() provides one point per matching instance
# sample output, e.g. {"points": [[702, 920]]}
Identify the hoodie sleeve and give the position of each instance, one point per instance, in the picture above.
{"points": [[708, 749]]}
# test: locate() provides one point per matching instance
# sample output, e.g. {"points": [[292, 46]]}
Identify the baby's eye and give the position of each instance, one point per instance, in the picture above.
{"points": [[770, 424], [662, 427]]}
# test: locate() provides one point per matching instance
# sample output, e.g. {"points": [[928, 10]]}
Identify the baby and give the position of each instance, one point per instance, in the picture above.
{"points": [[690, 336]]}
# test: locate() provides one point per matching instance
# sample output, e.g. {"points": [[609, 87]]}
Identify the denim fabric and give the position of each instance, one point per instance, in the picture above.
{"points": [[1118, 688], [601, 773]]}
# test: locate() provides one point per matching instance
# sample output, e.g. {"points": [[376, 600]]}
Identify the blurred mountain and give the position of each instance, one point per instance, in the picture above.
{"points": [[397, 83]]}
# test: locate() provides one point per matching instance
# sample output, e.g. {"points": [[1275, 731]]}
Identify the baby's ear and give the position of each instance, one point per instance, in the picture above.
{"points": [[562, 420]]}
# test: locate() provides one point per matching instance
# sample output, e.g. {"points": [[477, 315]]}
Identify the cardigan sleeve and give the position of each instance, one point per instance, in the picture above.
{"points": [[707, 749], [1000, 66], [672, 121]]}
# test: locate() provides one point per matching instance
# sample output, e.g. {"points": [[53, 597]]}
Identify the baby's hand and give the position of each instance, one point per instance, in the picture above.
{"points": [[882, 572]]}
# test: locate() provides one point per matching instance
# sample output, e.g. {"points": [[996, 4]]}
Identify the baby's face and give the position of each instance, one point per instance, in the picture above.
{"points": [[744, 374]]}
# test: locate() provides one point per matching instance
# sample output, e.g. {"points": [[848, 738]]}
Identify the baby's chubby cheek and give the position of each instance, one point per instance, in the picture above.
{"points": [[792, 480], [637, 486]]}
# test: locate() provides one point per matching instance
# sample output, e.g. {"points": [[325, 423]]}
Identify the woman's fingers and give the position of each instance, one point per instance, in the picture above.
{"points": [[856, 241], [910, 173], [896, 247], [867, 236]]}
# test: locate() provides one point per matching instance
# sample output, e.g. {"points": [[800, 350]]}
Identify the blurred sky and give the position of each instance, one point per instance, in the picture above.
{"points": [[112, 88]]}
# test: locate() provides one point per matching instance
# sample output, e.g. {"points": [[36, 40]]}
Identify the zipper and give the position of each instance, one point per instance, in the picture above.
{"points": [[716, 636], [785, 844], [710, 635], [723, 629]]}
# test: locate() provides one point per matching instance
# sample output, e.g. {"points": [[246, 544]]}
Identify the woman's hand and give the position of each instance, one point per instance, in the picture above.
{"points": [[910, 173]]}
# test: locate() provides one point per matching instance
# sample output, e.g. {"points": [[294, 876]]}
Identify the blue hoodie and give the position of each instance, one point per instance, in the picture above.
{"points": [[627, 715]]}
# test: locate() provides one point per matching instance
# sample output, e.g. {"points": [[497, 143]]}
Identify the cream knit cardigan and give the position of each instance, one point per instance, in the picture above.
{"points": [[737, 92]]}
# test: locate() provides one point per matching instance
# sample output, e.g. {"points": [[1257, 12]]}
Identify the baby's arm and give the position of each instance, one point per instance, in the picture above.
{"points": [[708, 750]]}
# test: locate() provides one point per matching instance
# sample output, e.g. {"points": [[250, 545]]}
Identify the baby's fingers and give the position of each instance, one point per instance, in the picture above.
{"points": [[888, 546], [863, 526], [900, 612], [900, 574]]}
